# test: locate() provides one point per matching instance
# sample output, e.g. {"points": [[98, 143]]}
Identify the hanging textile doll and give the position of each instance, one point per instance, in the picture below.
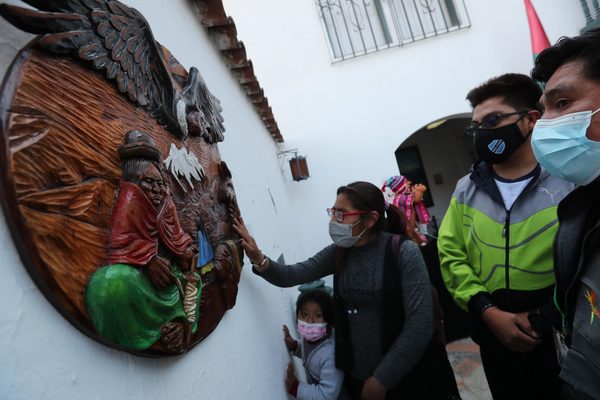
{"points": [[400, 192]]}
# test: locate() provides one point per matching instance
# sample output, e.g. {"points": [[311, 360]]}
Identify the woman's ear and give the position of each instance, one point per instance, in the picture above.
{"points": [[373, 218]]}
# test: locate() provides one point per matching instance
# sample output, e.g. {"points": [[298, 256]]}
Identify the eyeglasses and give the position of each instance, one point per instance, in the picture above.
{"points": [[340, 215], [491, 121]]}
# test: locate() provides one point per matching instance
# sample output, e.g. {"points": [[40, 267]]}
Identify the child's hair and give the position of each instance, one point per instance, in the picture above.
{"points": [[322, 299]]}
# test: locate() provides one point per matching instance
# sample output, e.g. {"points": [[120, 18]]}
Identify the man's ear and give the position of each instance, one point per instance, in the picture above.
{"points": [[532, 117]]}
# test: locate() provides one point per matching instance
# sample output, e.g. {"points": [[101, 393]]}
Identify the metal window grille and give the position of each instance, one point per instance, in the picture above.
{"points": [[591, 9], [358, 27]]}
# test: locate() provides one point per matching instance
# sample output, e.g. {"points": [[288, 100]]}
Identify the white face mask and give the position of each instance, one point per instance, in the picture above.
{"points": [[341, 234], [562, 148]]}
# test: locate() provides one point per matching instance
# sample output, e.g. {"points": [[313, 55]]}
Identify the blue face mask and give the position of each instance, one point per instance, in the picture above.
{"points": [[561, 147]]}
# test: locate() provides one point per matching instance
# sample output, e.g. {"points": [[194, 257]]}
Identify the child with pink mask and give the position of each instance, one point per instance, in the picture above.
{"points": [[314, 313]]}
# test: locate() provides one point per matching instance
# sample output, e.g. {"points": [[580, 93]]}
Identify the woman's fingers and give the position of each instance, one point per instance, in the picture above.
{"points": [[247, 241], [233, 211], [240, 228]]}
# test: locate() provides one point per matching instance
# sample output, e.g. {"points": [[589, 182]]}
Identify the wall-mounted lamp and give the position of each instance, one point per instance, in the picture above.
{"points": [[298, 164]]}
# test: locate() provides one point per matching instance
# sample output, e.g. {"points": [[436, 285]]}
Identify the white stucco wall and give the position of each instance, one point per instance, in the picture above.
{"points": [[349, 117], [43, 357]]}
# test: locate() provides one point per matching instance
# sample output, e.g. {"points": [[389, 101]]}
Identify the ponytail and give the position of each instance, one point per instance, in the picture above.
{"points": [[396, 221]]}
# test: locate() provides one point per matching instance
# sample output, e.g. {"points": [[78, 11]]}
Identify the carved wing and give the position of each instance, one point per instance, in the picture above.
{"points": [[116, 39], [200, 101]]}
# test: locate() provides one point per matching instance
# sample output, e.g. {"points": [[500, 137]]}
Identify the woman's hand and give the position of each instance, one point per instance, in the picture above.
{"points": [[290, 343], [249, 244], [373, 390]]}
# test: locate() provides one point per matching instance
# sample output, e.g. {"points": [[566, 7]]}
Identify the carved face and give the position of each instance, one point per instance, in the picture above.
{"points": [[196, 123], [226, 192], [153, 185]]}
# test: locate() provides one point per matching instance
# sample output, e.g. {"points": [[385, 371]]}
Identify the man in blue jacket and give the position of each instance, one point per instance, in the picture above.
{"points": [[566, 142]]}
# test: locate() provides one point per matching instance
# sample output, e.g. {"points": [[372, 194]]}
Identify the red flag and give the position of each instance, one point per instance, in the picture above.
{"points": [[539, 40]]}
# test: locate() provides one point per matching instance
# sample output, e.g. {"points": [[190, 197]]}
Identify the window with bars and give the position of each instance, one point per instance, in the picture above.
{"points": [[358, 27]]}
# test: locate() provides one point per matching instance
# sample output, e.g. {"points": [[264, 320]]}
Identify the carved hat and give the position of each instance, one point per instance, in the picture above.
{"points": [[138, 144]]}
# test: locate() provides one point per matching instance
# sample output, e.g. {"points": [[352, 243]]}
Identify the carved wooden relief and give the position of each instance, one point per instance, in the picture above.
{"points": [[113, 186]]}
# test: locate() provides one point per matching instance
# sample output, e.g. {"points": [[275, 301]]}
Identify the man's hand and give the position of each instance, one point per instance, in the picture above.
{"points": [[372, 390], [419, 190], [290, 343], [512, 330], [159, 272]]}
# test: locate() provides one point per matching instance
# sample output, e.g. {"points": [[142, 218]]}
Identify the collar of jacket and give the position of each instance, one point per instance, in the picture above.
{"points": [[482, 176]]}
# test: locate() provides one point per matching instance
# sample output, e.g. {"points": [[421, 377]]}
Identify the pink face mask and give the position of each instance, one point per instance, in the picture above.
{"points": [[312, 332]]}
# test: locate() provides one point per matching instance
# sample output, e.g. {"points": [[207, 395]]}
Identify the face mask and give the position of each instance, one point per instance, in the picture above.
{"points": [[561, 147], [495, 146], [312, 332], [341, 234]]}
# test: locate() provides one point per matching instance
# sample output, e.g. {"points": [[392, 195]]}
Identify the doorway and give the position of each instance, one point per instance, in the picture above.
{"points": [[438, 155]]}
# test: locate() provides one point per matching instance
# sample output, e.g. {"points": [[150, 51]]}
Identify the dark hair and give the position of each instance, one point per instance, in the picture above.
{"points": [[322, 299], [365, 196], [584, 48], [518, 91]]}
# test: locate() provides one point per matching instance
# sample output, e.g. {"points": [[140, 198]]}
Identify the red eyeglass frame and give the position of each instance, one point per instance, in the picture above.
{"points": [[335, 212]]}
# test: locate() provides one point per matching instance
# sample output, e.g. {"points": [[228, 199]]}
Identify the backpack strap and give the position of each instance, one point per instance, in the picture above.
{"points": [[397, 241], [438, 312], [393, 304]]}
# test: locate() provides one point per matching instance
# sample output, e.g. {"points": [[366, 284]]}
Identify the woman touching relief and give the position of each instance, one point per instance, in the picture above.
{"points": [[382, 297]]}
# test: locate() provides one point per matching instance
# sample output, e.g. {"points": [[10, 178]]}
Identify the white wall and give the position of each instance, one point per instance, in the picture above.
{"points": [[349, 117], [43, 357]]}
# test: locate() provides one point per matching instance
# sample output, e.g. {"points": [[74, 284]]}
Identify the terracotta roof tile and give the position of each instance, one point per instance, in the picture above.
{"points": [[222, 31]]}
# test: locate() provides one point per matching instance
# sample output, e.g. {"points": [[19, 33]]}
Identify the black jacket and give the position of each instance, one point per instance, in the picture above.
{"points": [[578, 238]]}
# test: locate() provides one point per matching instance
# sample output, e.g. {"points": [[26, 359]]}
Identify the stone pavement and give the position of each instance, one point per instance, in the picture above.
{"points": [[464, 357]]}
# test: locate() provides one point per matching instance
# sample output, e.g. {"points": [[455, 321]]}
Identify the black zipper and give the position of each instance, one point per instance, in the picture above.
{"points": [[506, 234], [563, 314], [497, 196]]}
